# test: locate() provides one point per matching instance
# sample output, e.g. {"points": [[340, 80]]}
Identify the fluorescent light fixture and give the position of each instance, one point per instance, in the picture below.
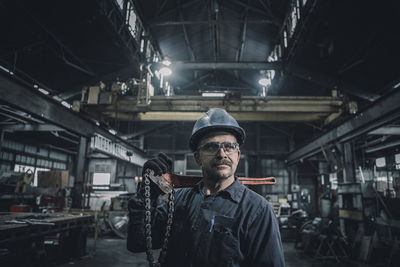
{"points": [[264, 82], [43, 91], [212, 94], [57, 98], [112, 131], [5, 69], [165, 71], [65, 104]]}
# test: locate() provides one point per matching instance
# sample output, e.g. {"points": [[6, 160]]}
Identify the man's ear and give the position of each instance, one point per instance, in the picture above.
{"points": [[197, 158]]}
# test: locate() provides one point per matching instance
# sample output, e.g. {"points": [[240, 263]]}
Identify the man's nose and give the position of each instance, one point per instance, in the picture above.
{"points": [[221, 153]]}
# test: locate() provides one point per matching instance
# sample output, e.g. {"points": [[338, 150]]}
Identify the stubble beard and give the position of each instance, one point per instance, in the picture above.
{"points": [[217, 175]]}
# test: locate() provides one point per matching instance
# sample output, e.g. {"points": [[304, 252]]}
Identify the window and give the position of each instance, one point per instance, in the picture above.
{"points": [[23, 168], [101, 178]]}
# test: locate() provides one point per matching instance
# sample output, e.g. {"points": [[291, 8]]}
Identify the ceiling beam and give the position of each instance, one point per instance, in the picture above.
{"points": [[209, 22], [174, 10], [240, 116], [253, 9], [327, 81], [32, 128], [226, 87], [215, 8], [268, 10], [251, 108], [160, 7], [36, 104], [382, 146], [239, 51], [196, 82], [60, 48], [305, 26], [240, 104], [386, 130], [185, 35], [225, 65], [120, 27], [56, 134], [210, 25], [146, 131], [380, 113]]}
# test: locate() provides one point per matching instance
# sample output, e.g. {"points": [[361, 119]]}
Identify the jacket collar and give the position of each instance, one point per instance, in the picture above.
{"points": [[234, 191]]}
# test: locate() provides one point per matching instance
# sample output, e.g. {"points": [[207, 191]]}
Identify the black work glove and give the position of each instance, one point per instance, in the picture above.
{"points": [[160, 165]]}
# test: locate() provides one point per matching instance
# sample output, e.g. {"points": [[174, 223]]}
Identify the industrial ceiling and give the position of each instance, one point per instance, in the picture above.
{"points": [[219, 46]]}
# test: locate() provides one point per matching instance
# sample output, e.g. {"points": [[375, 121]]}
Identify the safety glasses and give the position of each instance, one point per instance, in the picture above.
{"points": [[212, 148]]}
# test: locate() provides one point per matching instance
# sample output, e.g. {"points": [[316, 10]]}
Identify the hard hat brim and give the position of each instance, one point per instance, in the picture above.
{"points": [[195, 139]]}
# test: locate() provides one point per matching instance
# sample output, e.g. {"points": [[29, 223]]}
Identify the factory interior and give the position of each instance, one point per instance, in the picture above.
{"points": [[90, 90]]}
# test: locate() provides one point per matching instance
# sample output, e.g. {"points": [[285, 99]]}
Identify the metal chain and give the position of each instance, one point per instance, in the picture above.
{"points": [[147, 226]]}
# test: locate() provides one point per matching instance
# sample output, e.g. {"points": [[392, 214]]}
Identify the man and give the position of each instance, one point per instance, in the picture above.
{"points": [[219, 222]]}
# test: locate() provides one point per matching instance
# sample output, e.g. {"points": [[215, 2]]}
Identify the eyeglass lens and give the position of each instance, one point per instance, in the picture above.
{"points": [[213, 147]]}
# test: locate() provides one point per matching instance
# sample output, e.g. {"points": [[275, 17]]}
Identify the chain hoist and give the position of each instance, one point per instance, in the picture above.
{"points": [[149, 174]]}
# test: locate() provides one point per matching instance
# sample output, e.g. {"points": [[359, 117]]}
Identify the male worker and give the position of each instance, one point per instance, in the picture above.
{"points": [[219, 222]]}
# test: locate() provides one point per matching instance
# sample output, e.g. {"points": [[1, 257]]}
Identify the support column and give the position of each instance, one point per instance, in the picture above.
{"points": [[324, 190], [349, 191], [80, 164], [348, 163], [294, 186], [258, 149], [1, 139]]}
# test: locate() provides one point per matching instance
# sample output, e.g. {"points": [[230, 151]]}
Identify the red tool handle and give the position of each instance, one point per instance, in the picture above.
{"points": [[190, 180]]}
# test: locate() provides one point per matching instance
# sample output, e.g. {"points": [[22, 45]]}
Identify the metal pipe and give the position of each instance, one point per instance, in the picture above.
{"points": [[381, 147]]}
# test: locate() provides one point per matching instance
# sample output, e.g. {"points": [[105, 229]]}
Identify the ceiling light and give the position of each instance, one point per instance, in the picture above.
{"points": [[43, 91], [165, 71], [212, 94], [57, 98], [66, 104], [5, 69], [264, 81]]}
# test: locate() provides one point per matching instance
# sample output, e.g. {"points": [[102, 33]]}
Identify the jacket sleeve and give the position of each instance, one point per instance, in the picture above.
{"points": [[136, 241], [264, 240]]}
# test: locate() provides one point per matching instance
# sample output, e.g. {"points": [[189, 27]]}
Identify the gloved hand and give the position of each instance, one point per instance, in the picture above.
{"points": [[160, 165]]}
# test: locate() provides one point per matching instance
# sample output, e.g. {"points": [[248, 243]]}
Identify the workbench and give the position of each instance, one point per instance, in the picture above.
{"points": [[33, 234]]}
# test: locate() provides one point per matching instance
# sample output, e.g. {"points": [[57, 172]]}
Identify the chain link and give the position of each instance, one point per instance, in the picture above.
{"points": [[147, 226]]}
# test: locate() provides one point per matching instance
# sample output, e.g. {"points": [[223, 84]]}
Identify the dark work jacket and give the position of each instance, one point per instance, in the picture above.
{"points": [[234, 227]]}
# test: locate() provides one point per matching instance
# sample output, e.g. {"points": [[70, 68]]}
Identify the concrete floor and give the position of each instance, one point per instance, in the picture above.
{"points": [[112, 252]]}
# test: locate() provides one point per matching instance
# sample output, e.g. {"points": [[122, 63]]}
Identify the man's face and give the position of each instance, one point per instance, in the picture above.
{"points": [[220, 165]]}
